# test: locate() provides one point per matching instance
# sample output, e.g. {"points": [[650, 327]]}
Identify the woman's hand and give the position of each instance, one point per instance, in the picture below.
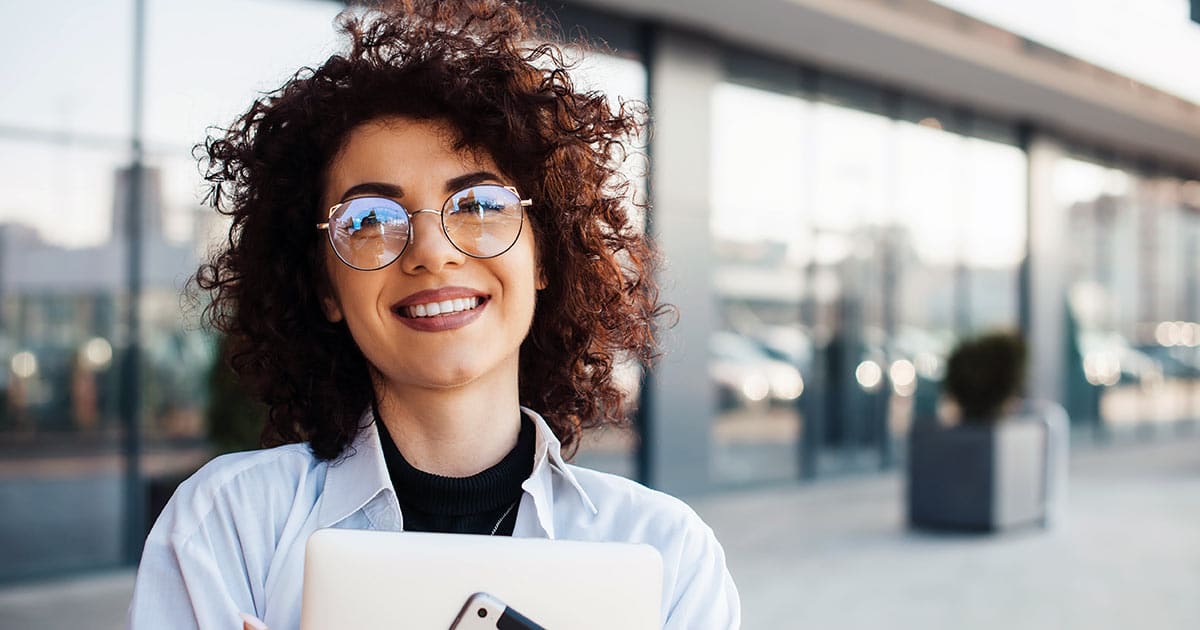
{"points": [[250, 622]]}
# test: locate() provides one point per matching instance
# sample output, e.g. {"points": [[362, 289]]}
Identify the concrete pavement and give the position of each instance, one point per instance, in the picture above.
{"points": [[837, 555]]}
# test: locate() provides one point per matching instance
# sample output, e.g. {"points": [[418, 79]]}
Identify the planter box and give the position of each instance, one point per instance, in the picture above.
{"points": [[979, 478]]}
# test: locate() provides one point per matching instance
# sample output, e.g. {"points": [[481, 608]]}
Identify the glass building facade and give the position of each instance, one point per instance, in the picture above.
{"points": [[858, 234], [851, 232], [1131, 303]]}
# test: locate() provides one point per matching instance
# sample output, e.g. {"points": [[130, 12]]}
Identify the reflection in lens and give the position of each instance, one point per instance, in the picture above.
{"points": [[483, 221], [369, 232]]}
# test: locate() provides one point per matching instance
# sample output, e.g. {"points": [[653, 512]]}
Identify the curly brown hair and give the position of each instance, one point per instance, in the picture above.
{"points": [[472, 65]]}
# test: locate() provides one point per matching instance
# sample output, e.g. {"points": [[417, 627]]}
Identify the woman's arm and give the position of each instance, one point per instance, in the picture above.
{"points": [[201, 567], [705, 596], [181, 584]]}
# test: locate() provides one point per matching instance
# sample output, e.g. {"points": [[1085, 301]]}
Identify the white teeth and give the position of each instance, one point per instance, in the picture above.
{"points": [[442, 308]]}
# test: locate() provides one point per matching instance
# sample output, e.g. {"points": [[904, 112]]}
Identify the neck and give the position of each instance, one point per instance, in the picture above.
{"points": [[452, 432]]}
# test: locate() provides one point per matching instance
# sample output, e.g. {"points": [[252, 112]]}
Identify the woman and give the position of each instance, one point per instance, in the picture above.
{"points": [[429, 276]]}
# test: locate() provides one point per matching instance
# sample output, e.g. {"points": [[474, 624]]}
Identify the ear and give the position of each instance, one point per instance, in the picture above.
{"points": [[329, 304], [331, 308], [540, 282]]}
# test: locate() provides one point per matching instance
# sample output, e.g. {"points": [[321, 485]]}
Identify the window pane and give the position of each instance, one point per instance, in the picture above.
{"points": [[961, 209], [1167, 331], [63, 138], [760, 351], [64, 166], [61, 282], [994, 231], [855, 245], [80, 84], [1131, 354]]}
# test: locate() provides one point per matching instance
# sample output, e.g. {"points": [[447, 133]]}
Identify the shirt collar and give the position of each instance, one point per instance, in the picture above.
{"points": [[356, 477], [548, 461], [353, 480]]}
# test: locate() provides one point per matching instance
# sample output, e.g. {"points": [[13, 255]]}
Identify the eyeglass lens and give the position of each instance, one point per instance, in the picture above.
{"points": [[369, 233]]}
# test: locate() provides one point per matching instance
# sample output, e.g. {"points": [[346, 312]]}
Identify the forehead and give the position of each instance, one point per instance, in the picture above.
{"points": [[413, 154]]}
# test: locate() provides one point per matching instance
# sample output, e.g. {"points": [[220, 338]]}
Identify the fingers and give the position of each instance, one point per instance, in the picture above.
{"points": [[250, 622]]}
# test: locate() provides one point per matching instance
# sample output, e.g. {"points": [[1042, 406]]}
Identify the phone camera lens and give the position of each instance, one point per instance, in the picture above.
{"points": [[482, 612]]}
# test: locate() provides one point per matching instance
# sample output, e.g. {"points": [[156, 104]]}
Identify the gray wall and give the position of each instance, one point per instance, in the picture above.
{"points": [[683, 71], [1047, 291]]}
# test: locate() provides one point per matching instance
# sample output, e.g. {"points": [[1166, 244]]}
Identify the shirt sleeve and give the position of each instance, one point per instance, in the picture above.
{"points": [[704, 593], [193, 572]]}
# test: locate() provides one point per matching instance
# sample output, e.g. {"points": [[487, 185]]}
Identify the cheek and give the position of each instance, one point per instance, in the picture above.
{"points": [[525, 276], [353, 294], [527, 302], [329, 289]]}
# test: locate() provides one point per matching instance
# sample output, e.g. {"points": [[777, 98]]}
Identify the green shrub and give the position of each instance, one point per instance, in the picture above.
{"points": [[983, 373], [235, 420]]}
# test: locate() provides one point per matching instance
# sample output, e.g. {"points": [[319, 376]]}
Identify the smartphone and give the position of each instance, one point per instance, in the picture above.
{"points": [[487, 611]]}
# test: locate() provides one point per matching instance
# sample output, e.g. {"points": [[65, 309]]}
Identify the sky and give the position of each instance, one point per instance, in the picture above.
{"points": [[1153, 41]]}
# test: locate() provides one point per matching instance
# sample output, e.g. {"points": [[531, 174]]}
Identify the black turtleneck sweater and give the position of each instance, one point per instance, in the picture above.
{"points": [[461, 505]]}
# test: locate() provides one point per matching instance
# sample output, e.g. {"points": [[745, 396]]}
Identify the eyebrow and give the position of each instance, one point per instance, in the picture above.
{"points": [[455, 184], [394, 191]]}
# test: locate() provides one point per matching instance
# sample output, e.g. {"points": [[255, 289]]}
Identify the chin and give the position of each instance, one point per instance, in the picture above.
{"points": [[442, 376], [452, 381], [451, 366]]}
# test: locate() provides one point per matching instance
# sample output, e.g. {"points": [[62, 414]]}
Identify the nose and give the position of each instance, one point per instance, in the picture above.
{"points": [[429, 249]]}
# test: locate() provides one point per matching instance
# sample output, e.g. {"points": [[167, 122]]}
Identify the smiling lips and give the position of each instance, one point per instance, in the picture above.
{"points": [[445, 307], [440, 309]]}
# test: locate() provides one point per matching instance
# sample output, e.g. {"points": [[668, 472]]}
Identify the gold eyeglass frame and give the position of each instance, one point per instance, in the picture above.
{"points": [[525, 203]]}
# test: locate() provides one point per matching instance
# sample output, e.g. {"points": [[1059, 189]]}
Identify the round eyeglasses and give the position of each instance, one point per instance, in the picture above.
{"points": [[369, 233]]}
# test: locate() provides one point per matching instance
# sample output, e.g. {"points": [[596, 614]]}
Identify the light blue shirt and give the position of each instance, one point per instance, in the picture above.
{"points": [[232, 538]]}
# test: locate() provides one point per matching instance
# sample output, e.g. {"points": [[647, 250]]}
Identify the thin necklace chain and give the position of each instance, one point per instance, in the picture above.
{"points": [[504, 516]]}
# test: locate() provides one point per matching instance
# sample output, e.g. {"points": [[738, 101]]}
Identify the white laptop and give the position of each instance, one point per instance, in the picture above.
{"points": [[365, 580]]}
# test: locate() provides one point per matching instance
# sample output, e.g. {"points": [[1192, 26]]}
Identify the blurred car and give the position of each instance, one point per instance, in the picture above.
{"points": [[1174, 361], [1109, 359], [789, 344], [746, 376]]}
